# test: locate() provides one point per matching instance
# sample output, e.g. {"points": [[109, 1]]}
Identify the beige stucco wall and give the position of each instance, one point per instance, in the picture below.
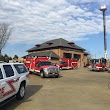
{"points": [[85, 60]]}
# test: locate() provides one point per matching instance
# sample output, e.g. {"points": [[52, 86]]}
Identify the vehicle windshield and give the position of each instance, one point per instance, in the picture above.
{"points": [[60, 62], [98, 61], [45, 63], [94, 61]]}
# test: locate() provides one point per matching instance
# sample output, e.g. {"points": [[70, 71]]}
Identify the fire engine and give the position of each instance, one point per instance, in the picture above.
{"points": [[42, 66], [98, 64], [108, 65], [66, 63], [108, 68]]}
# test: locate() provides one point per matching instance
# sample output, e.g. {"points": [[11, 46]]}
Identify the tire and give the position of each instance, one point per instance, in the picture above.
{"points": [[57, 76], [103, 69], [42, 74], [21, 93], [30, 72], [73, 68]]}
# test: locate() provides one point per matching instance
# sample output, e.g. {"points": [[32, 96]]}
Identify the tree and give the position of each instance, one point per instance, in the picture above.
{"points": [[10, 58], [15, 57], [2, 58], [6, 57], [5, 32]]}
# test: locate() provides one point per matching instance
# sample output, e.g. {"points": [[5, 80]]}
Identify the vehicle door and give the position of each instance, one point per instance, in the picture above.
{"points": [[10, 81], [65, 64], [37, 67], [2, 86]]}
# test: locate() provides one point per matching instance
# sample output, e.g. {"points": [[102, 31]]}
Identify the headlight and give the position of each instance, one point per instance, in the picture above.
{"points": [[45, 70]]}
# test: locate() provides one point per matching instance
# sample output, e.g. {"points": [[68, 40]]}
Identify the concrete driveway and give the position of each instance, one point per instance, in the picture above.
{"points": [[74, 90]]}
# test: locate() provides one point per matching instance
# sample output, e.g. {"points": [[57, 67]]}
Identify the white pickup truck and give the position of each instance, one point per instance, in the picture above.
{"points": [[14, 78]]}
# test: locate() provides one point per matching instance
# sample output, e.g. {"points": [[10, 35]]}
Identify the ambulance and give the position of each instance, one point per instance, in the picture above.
{"points": [[42, 66], [66, 63]]}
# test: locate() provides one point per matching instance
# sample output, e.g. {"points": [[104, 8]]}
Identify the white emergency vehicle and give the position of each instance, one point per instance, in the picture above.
{"points": [[14, 78]]}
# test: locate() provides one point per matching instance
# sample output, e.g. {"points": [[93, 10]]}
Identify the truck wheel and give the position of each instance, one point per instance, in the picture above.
{"points": [[73, 68], [103, 69], [30, 72], [42, 74], [21, 93], [57, 76]]}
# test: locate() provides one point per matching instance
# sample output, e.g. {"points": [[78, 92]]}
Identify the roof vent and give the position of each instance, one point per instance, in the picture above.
{"points": [[48, 43], [71, 43], [38, 45]]}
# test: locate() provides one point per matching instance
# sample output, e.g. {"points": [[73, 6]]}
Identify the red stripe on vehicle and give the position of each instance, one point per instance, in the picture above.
{"points": [[10, 83]]}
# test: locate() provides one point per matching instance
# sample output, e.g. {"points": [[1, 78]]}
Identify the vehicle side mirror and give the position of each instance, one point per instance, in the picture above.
{"points": [[54, 64], [38, 65]]}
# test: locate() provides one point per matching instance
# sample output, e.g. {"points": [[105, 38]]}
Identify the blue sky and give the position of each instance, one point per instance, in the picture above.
{"points": [[36, 21]]}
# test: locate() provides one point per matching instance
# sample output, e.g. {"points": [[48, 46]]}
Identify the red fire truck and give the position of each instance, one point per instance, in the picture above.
{"points": [[108, 65], [98, 64], [42, 66], [66, 63]]}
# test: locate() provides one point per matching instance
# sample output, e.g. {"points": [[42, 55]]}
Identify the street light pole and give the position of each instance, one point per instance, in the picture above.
{"points": [[103, 9]]}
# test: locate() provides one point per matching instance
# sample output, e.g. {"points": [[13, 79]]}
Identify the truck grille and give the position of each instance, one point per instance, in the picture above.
{"points": [[53, 70]]}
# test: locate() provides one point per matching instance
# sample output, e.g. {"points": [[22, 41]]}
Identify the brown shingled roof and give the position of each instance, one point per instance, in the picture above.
{"points": [[56, 43], [43, 54]]}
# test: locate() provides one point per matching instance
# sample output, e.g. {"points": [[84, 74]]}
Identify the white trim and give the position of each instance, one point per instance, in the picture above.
{"points": [[74, 62], [98, 67], [37, 71], [31, 69], [27, 61], [66, 67]]}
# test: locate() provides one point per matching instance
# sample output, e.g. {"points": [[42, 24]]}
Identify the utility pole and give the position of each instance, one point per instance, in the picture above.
{"points": [[103, 9]]}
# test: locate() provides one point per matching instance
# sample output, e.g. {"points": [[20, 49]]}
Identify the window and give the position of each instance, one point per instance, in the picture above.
{"points": [[20, 68], [77, 56], [8, 70], [1, 76], [45, 63], [64, 63], [67, 55], [38, 64]]}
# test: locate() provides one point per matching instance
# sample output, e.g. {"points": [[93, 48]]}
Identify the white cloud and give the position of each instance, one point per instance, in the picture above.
{"points": [[89, 1], [40, 20]]}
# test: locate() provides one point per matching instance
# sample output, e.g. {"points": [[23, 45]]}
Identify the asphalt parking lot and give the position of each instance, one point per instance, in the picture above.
{"points": [[74, 90]]}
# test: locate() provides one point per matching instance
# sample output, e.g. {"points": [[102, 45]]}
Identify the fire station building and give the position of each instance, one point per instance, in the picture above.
{"points": [[57, 49]]}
